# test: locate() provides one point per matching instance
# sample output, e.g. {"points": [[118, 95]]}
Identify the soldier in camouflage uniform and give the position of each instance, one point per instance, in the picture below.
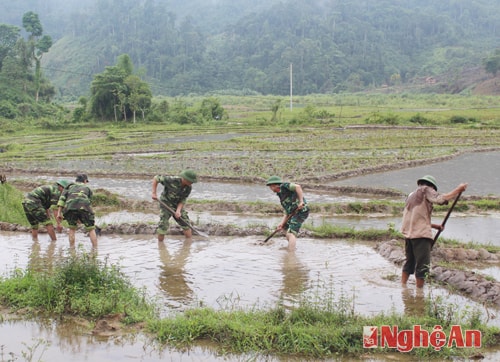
{"points": [[75, 205], [176, 190], [37, 205], [295, 205]]}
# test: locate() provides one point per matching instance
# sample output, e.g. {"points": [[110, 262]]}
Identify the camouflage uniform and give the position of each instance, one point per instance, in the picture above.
{"points": [[37, 202], [173, 194], [76, 203], [289, 201]]}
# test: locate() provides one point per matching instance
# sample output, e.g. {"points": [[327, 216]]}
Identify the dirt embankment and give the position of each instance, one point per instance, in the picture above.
{"points": [[468, 282]]}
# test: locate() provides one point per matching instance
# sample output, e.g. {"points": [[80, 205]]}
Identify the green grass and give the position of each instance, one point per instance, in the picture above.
{"points": [[79, 285], [316, 328], [11, 210], [488, 204], [343, 232]]}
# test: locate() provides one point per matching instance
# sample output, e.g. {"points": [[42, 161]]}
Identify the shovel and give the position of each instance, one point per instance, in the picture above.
{"points": [[286, 220], [201, 233], [445, 220]]}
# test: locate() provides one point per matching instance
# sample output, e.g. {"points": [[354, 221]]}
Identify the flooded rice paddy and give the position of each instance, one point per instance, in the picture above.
{"points": [[480, 170], [229, 272], [223, 273]]}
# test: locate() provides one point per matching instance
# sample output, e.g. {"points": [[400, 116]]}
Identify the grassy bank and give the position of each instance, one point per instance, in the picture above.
{"points": [[77, 285], [11, 209], [321, 325]]}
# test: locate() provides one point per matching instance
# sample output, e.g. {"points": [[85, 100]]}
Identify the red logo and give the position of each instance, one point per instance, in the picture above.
{"points": [[370, 337], [407, 340]]}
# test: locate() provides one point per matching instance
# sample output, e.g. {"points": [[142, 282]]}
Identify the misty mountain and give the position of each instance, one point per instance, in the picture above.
{"points": [[195, 46]]}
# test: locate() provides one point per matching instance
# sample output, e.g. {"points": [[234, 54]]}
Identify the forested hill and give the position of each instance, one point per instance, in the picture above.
{"points": [[246, 46]]}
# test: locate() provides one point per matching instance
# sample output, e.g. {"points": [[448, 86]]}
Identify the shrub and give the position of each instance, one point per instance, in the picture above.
{"points": [[419, 119], [7, 110]]}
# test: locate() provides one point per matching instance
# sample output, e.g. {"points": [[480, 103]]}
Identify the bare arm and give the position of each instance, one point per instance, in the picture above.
{"points": [[154, 196], [437, 226], [300, 196], [458, 190], [59, 214], [283, 222], [178, 211]]}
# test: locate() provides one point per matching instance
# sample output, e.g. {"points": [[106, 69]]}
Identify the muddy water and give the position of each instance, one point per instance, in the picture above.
{"points": [[223, 271], [220, 272]]}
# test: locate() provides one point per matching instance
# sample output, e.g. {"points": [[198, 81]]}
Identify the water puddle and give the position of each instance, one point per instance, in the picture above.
{"points": [[58, 342]]}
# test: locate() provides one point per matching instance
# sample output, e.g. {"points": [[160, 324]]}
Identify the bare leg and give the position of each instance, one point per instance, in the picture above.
{"points": [[420, 282], [93, 238], [51, 232], [292, 241], [161, 237], [404, 278], [34, 234], [71, 236], [188, 233]]}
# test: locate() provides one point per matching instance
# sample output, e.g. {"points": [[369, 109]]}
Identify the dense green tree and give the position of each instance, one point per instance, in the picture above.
{"points": [[211, 109], [22, 84], [8, 37], [492, 63], [238, 45], [116, 93], [139, 96]]}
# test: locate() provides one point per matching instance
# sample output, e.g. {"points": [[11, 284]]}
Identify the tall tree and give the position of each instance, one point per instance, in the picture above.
{"points": [[38, 44]]}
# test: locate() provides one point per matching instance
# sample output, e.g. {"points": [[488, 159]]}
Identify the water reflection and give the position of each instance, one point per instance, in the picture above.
{"points": [[295, 277], [414, 301], [61, 342], [42, 262], [173, 277]]}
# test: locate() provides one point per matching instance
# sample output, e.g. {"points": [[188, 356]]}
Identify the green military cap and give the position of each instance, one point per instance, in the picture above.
{"points": [[274, 180], [189, 175], [62, 183], [430, 179]]}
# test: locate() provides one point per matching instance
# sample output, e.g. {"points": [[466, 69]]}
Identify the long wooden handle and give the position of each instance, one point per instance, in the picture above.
{"points": [[445, 219], [182, 220], [275, 231]]}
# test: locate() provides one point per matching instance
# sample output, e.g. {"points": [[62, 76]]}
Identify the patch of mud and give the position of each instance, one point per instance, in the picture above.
{"points": [[112, 325], [311, 181], [210, 229], [469, 283], [149, 229]]}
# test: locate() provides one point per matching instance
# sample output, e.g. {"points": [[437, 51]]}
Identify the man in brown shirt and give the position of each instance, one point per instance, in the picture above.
{"points": [[417, 226]]}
